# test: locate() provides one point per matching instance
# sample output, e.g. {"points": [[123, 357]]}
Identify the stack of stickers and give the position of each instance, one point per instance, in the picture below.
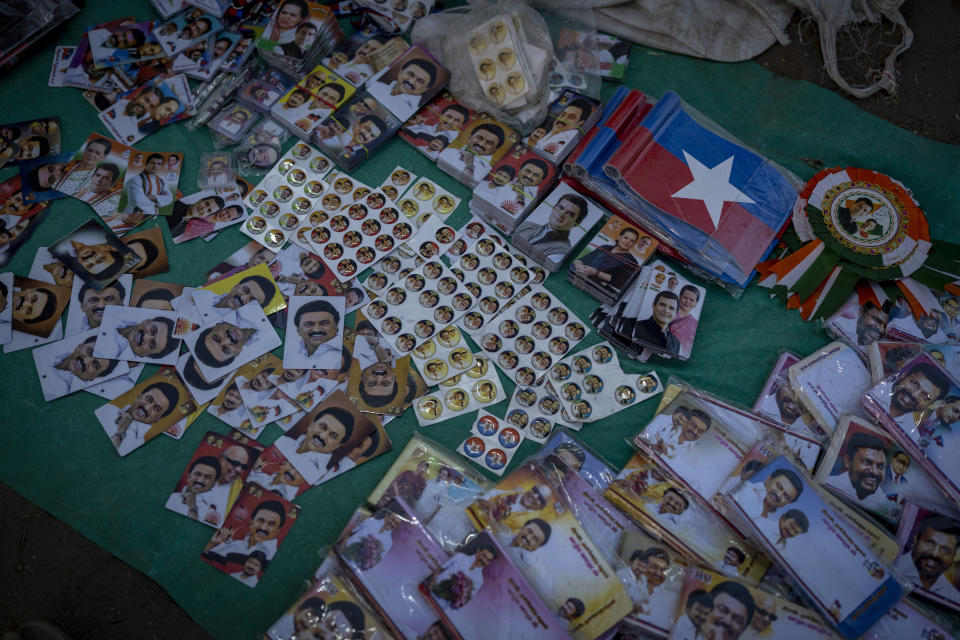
{"points": [[504, 63], [552, 231], [569, 117], [531, 334], [478, 387], [658, 314], [298, 35], [610, 262], [493, 276], [492, 442], [391, 96], [286, 203], [513, 188], [591, 385]]}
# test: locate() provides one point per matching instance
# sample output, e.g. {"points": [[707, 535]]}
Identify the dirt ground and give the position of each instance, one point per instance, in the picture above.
{"points": [[50, 572]]}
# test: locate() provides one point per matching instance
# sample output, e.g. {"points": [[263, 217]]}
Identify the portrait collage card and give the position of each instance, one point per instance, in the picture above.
{"points": [[607, 266], [251, 534], [205, 212], [436, 125]]}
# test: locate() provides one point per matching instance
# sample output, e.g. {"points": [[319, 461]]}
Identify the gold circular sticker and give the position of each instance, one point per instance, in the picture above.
{"points": [[429, 408]]}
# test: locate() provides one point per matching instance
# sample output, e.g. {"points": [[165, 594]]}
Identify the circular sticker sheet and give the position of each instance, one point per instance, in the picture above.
{"points": [[869, 219]]}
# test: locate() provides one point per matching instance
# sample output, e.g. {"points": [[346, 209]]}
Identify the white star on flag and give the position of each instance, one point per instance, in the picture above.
{"points": [[712, 186]]}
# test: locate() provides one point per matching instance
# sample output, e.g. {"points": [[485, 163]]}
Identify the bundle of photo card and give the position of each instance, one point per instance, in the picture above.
{"points": [[658, 314], [568, 119], [887, 357], [596, 53], [480, 577], [846, 582], [553, 230], [612, 259], [391, 96], [317, 95], [437, 484], [387, 556], [513, 188], [532, 523], [329, 604], [298, 35], [715, 605], [919, 405], [480, 144], [866, 467], [350, 59], [671, 513], [436, 125]]}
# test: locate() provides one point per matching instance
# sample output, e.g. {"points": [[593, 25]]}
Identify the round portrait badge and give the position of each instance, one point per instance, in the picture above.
{"points": [[625, 395], [487, 425], [429, 408], [496, 459], [870, 220], [474, 447], [509, 438]]}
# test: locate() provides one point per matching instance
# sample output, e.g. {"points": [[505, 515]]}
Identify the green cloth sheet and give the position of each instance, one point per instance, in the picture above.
{"points": [[57, 455]]}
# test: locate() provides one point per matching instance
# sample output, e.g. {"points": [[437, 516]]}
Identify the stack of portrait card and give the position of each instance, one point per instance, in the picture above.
{"points": [[329, 604], [298, 35], [830, 382], [492, 443], [27, 140], [333, 438], [457, 594], [610, 262], [653, 575], [436, 125], [919, 405], [568, 119], [394, 94], [212, 481], [479, 145], [551, 232], [926, 539], [887, 357], [256, 526], [159, 102], [713, 605], [934, 326], [845, 581], [351, 58], [658, 314], [595, 53], [317, 95], [867, 468], [286, 204], [205, 212], [665, 508], [513, 188], [437, 484]]}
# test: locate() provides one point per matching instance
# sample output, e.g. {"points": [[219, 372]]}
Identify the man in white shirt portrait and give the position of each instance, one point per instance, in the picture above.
{"points": [[865, 467], [193, 498], [147, 192], [933, 552], [128, 426], [265, 523], [317, 322], [93, 302]]}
